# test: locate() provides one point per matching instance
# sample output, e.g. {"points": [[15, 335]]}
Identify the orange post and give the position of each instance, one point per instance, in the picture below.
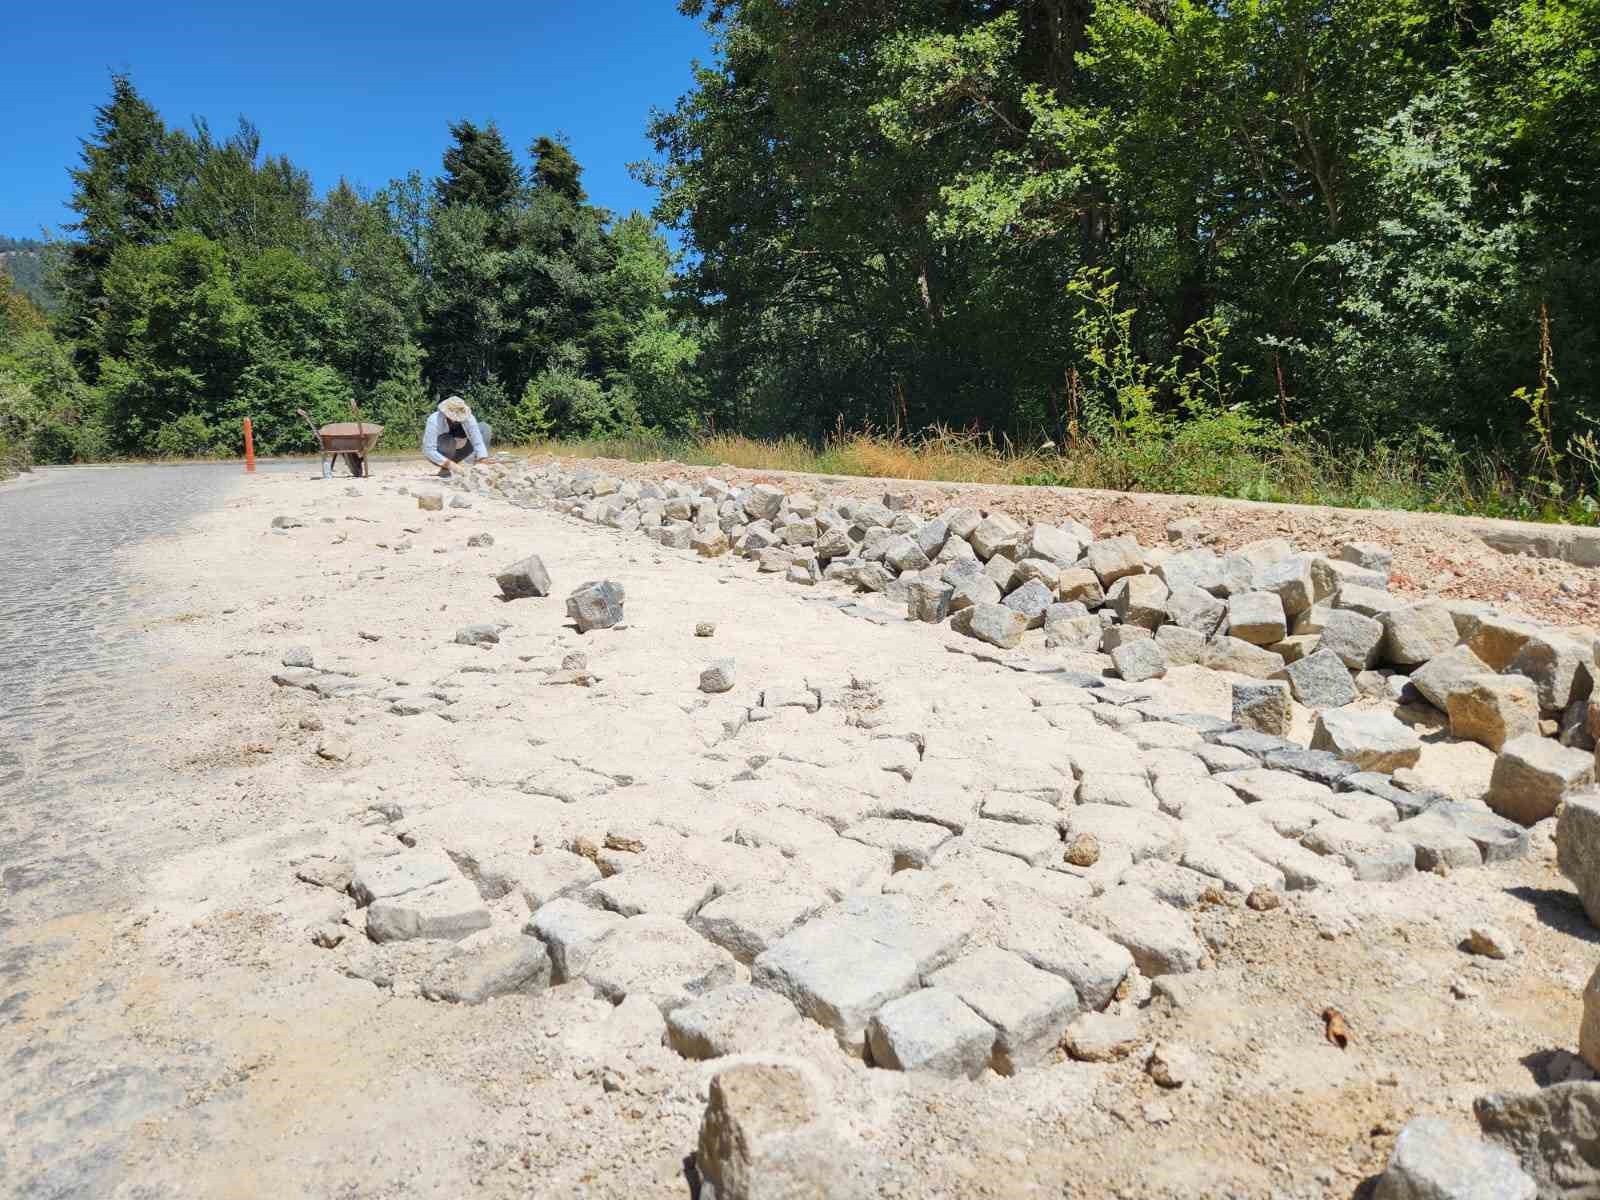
{"points": [[249, 448]]}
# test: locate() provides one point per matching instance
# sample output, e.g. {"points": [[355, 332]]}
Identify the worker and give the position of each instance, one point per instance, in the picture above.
{"points": [[453, 435]]}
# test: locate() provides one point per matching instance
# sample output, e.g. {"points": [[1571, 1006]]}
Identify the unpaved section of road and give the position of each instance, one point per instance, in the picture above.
{"points": [[1549, 572], [170, 1027]]}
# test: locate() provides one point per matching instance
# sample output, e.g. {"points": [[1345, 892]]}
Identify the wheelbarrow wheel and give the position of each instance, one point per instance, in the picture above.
{"points": [[355, 463]]}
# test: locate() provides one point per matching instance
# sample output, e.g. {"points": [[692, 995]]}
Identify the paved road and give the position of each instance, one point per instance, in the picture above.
{"points": [[71, 702]]}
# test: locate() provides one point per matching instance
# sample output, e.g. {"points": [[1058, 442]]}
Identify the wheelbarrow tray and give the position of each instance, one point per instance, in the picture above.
{"points": [[347, 437]]}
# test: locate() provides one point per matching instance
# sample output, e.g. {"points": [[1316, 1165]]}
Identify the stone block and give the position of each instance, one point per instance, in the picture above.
{"points": [[1417, 633], [1241, 658], [1035, 845], [1432, 1161], [1002, 570], [1494, 709], [1319, 680], [1560, 667], [1048, 940], [396, 874], [971, 590], [1371, 854], [1031, 600], [1051, 543], [1161, 939], [761, 503], [473, 974], [1114, 558], [659, 958], [710, 542], [449, 910], [901, 553], [1374, 741], [910, 843], [843, 966], [1257, 618], [1029, 1009], [1142, 834], [1533, 775], [991, 623], [1236, 870], [1578, 851], [1040, 570], [1193, 608], [426, 501], [995, 534], [1498, 640], [644, 888], [931, 1030], [1139, 600], [1140, 660], [1183, 647], [1263, 704], [570, 931], [1440, 677], [1302, 869], [596, 605], [1368, 601], [1554, 1133], [1170, 883], [1589, 1025], [767, 1135], [1290, 580], [746, 921], [736, 1019], [1082, 585], [1369, 556]]}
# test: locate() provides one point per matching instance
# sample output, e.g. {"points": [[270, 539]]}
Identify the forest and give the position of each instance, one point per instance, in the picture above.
{"points": [[1189, 240]]}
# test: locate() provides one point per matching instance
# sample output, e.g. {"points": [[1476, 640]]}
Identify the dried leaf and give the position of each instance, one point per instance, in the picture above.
{"points": [[1334, 1027]]}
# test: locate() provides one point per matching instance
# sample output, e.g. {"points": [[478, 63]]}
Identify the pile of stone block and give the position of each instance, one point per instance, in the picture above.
{"points": [[1322, 627]]}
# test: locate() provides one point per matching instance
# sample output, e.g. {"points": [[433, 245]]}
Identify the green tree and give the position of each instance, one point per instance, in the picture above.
{"points": [[176, 342], [123, 192]]}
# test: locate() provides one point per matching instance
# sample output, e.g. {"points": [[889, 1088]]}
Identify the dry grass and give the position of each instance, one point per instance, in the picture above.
{"points": [[941, 455]]}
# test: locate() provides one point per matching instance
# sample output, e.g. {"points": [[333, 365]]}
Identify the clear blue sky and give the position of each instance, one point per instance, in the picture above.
{"points": [[357, 88]]}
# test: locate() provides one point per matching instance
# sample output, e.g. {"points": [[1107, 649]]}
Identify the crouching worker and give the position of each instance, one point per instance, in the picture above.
{"points": [[454, 435]]}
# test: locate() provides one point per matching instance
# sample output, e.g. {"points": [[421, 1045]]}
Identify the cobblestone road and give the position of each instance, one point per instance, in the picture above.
{"points": [[72, 696]]}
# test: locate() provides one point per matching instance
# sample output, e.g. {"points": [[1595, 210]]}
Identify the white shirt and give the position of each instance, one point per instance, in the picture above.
{"points": [[438, 426]]}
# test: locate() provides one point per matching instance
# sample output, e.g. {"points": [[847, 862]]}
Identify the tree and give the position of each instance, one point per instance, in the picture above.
{"points": [[123, 192], [176, 344], [478, 169]]}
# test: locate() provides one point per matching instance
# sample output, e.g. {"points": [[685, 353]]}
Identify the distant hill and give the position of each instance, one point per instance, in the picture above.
{"points": [[27, 262]]}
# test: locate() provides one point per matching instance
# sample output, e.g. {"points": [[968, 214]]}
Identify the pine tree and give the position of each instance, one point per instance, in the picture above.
{"points": [[479, 169], [123, 195]]}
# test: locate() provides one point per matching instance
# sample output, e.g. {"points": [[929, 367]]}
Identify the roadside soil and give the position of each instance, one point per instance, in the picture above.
{"points": [[244, 1060]]}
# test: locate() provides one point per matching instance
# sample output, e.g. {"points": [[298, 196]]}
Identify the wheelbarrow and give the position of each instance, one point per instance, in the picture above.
{"points": [[350, 440]]}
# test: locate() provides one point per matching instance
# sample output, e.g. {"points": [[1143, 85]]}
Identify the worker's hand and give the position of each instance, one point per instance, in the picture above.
{"points": [[451, 465]]}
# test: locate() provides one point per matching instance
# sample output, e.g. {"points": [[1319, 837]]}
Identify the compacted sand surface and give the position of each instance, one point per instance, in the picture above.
{"points": [[213, 1017]]}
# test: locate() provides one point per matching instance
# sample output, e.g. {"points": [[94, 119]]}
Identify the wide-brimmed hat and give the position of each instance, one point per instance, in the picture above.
{"points": [[455, 408]]}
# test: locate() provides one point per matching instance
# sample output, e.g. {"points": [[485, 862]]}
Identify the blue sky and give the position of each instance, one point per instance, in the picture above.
{"points": [[355, 88]]}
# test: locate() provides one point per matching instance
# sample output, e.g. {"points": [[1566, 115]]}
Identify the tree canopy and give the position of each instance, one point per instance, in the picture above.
{"points": [[1187, 222], [206, 281]]}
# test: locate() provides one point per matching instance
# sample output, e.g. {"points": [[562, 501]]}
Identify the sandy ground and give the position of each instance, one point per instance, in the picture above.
{"points": [[1435, 554], [253, 1062]]}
